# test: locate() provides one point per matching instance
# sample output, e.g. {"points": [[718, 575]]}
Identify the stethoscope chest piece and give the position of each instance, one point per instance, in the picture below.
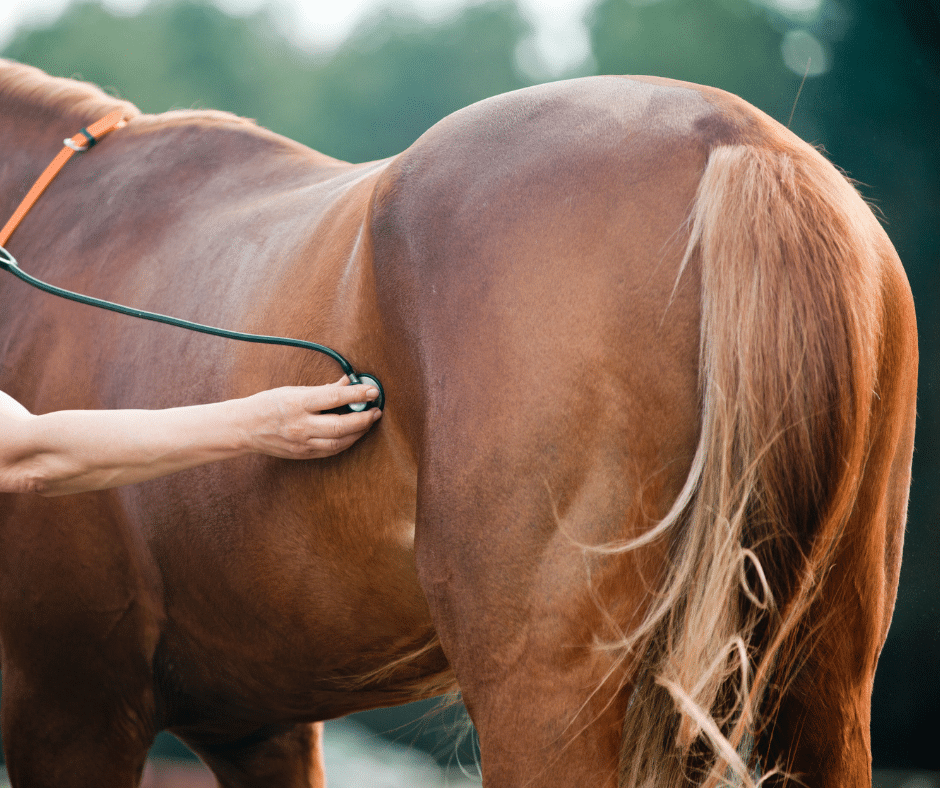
{"points": [[378, 402]]}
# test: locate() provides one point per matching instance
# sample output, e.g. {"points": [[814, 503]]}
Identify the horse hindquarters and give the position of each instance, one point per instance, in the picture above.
{"points": [[788, 565], [783, 562], [560, 413], [563, 380]]}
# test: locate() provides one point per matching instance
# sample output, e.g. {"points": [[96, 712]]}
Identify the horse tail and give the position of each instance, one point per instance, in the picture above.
{"points": [[789, 355]]}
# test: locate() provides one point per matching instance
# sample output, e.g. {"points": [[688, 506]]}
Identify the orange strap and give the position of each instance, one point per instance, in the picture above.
{"points": [[77, 144]]}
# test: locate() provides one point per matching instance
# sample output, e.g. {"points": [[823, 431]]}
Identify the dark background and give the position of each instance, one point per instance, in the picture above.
{"points": [[871, 98]]}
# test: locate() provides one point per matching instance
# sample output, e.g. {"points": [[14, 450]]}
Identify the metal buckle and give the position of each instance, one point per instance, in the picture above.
{"points": [[75, 146]]}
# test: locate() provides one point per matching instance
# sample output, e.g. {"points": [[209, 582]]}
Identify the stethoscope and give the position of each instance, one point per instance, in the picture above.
{"points": [[8, 263], [80, 143]]}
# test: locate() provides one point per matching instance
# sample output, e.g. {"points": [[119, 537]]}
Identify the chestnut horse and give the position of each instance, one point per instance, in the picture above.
{"points": [[640, 485]]}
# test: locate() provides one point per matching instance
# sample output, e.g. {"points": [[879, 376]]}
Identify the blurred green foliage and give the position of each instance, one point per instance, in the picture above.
{"points": [[725, 44], [392, 80], [876, 110]]}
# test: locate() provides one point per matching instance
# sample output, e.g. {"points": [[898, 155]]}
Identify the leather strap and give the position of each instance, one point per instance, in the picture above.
{"points": [[77, 144]]}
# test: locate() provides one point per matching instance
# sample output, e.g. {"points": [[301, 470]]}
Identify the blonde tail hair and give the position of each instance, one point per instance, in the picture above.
{"points": [[788, 366]]}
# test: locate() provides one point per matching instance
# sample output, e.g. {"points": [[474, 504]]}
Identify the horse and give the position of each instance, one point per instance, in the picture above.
{"points": [[639, 489]]}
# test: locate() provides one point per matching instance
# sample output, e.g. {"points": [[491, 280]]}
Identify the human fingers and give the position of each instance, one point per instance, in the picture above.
{"points": [[311, 428], [320, 398], [340, 435]]}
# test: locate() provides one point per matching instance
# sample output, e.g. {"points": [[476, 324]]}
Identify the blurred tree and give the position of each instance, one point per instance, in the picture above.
{"points": [[187, 54], [724, 43], [396, 77], [191, 54]]}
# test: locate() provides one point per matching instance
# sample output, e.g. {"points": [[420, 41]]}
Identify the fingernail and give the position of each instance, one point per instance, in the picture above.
{"points": [[375, 414], [372, 392]]}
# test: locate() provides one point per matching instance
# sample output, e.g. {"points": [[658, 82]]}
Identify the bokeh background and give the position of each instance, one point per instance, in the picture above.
{"points": [[360, 80]]}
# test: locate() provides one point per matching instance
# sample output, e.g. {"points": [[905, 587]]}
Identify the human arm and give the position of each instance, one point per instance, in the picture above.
{"points": [[76, 451]]}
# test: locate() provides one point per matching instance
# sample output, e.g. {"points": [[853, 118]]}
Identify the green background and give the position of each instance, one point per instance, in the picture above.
{"points": [[875, 109]]}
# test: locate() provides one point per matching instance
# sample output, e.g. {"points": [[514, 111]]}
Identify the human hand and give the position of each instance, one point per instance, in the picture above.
{"points": [[289, 422]]}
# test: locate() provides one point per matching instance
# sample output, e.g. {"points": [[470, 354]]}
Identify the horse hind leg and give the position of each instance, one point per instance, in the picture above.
{"points": [[821, 735], [822, 732], [523, 611], [545, 709], [283, 757]]}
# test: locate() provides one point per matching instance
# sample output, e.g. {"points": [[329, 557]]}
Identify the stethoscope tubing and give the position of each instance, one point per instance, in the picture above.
{"points": [[9, 263]]}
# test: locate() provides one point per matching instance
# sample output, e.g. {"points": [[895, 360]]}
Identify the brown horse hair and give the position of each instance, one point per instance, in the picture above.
{"points": [[789, 349], [78, 103], [397, 671], [36, 91]]}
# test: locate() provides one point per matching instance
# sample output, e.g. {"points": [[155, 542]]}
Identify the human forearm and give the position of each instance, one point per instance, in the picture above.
{"points": [[75, 451]]}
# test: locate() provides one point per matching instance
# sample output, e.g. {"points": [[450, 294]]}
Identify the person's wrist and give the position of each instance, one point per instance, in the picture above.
{"points": [[240, 419]]}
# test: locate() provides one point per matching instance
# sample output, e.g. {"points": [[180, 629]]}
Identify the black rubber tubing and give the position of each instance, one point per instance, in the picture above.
{"points": [[8, 263]]}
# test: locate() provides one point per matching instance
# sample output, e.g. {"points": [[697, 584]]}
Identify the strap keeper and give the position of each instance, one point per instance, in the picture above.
{"points": [[81, 148]]}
